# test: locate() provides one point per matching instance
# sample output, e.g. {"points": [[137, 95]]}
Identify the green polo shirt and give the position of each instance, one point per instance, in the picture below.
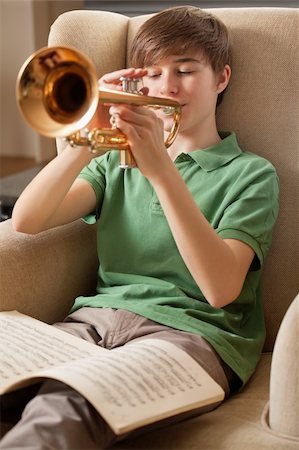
{"points": [[141, 269]]}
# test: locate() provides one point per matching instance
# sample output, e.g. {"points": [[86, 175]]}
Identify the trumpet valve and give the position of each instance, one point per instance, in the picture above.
{"points": [[131, 85]]}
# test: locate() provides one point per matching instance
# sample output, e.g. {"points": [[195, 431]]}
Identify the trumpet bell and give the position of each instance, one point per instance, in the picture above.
{"points": [[57, 91]]}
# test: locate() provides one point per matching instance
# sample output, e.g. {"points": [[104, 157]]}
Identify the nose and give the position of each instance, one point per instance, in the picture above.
{"points": [[169, 85]]}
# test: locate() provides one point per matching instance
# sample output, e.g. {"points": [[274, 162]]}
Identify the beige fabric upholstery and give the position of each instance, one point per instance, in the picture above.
{"points": [[100, 35], [284, 385], [40, 275]]}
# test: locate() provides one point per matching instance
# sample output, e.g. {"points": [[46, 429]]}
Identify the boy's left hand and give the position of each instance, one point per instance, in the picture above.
{"points": [[145, 133]]}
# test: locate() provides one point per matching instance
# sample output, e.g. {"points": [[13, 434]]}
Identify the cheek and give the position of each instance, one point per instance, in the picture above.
{"points": [[204, 93], [153, 88]]}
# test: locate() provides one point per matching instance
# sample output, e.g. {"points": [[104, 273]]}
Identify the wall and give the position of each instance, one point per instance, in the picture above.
{"points": [[137, 7], [24, 29], [17, 42]]}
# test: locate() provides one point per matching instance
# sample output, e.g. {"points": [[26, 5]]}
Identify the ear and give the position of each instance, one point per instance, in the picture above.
{"points": [[223, 79]]}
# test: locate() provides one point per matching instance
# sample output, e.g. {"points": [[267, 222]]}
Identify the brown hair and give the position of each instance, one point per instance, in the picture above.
{"points": [[178, 30]]}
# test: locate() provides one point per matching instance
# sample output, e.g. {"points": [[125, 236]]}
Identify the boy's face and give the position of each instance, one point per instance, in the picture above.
{"points": [[191, 81]]}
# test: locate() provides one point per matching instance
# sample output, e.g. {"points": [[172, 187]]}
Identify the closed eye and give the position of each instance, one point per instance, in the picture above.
{"points": [[153, 75], [185, 72]]}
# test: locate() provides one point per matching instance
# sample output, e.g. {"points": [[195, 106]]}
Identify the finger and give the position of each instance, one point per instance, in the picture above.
{"points": [[144, 90], [114, 77], [130, 113], [118, 109], [139, 73]]}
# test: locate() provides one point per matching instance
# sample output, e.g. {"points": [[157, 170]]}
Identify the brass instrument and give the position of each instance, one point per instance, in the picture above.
{"points": [[58, 94]]}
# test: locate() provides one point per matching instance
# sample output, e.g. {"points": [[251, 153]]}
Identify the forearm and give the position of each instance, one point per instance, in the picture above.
{"points": [[210, 260], [41, 199]]}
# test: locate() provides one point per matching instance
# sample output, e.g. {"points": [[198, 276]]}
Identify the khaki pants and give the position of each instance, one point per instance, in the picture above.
{"points": [[57, 417]]}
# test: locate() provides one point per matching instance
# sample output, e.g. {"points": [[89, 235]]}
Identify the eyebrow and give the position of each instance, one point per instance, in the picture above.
{"points": [[187, 59], [182, 59]]}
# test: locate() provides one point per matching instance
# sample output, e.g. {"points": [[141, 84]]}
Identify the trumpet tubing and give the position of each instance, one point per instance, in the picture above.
{"points": [[57, 93]]}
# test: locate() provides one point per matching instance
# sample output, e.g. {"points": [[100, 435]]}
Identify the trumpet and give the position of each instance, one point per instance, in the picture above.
{"points": [[57, 93]]}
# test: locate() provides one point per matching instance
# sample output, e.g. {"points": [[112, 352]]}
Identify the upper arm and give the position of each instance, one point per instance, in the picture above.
{"points": [[79, 201], [243, 255]]}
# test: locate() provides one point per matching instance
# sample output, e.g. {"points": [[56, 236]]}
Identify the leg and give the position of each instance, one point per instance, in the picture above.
{"points": [[111, 328], [12, 405], [58, 418]]}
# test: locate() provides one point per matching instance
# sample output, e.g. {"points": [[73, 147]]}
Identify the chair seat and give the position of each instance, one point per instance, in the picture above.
{"points": [[235, 425]]}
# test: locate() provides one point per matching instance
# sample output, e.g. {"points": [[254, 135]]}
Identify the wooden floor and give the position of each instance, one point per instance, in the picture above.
{"points": [[10, 165]]}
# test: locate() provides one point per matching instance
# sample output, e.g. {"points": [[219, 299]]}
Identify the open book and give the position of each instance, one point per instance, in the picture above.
{"points": [[131, 386]]}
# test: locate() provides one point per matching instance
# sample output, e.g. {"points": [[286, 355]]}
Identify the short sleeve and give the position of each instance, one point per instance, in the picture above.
{"points": [[94, 174], [252, 213]]}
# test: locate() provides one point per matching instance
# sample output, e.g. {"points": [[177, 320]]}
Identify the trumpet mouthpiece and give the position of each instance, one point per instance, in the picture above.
{"points": [[168, 110]]}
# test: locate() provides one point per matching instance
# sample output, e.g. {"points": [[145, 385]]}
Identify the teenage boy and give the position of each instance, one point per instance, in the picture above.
{"points": [[182, 238]]}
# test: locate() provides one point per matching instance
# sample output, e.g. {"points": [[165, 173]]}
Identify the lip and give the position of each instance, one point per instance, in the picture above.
{"points": [[175, 99], [183, 105]]}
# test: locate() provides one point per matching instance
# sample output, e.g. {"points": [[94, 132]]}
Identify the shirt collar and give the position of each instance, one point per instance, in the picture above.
{"points": [[218, 155]]}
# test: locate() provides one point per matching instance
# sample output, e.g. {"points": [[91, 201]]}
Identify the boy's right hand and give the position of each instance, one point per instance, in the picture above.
{"points": [[113, 81]]}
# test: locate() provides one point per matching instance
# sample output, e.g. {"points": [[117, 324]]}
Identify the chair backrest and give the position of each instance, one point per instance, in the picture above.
{"points": [[260, 105]]}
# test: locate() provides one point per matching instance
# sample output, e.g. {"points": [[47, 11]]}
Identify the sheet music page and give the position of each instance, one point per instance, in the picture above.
{"points": [[130, 386], [142, 382], [28, 346]]}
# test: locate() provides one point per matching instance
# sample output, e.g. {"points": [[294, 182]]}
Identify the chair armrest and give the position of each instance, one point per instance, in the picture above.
{"points": [[281, 414], [41, 275]]}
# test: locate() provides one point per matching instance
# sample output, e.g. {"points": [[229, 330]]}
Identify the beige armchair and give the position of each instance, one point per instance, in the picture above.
{"points": [[41, 275]]}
